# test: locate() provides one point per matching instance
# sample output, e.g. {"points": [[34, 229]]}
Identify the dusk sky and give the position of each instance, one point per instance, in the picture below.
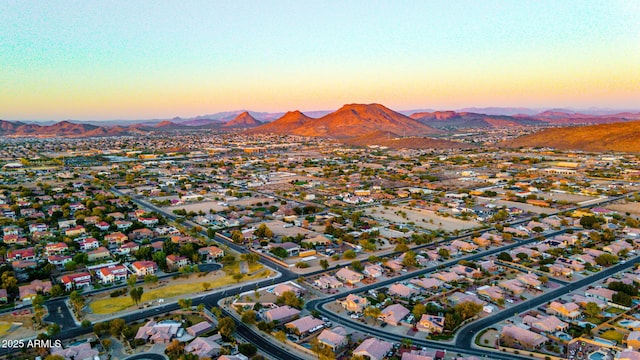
{"points": [[159, 59]]}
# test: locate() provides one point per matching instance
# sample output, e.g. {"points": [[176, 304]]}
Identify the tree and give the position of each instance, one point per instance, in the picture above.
{"points": [[504, 256], [237, 277], [116, 326], [324, 264], [592, 309], [409, 259], [467, 309], [57, 290], [588, 222], [53, 329], [290, 298], [247, 349], [185, 303], [150, 279], [226, 327], [356, 265], [622, 298], [237, 237], [401, 247], [279, 252], [136, 294], [418, 310], [372, 312], [250, 258], [280, 335], [263, 231], [543, 279], [77, 301], [606, 259], [131, 280], [249, 317], [444, 253], [349, 254], [206, 286], [106, 344]]}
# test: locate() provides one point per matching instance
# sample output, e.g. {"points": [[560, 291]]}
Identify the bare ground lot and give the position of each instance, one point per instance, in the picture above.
{"points": [[423, 218], [523, 206], [204, 206], [572, 198], [630, 207], [278, 229]]}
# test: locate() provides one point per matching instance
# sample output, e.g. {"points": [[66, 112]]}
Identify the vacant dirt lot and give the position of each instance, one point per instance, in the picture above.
{"points": [[423, 218]]}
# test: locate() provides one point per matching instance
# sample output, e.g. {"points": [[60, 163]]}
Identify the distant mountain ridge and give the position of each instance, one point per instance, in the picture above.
{"points": [[243, 120], [351, 120], [621, 136]]}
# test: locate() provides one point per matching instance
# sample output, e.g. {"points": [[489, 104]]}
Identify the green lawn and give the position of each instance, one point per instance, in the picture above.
{"points": [[613, 335], [113, 305], [4, 328]]}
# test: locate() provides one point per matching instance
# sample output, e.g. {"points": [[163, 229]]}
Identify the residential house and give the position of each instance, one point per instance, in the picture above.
{"points": [[29, 291], [354, 303], [3, 296], [305, 325], [512, 334], [89, 244], [633, 340], [282, 288], [112, 273], [467, 272], [158, 333], [513, 286], [204, 347], [401, 290], [349, 276], [547, 324], [76, 281], [100, 253], [568, 310], [211, 253], [281, 314], [464, 246], [431, 323], [373, 271], [116, 238], [335, 338], [75, 231], [493, 293], [600, 293], [55, 248], [21, 254], [427, 283], [76, 352], [373, 349], [199, 328], [327, 282], [142, 268], [175, 262], [393, 314]]}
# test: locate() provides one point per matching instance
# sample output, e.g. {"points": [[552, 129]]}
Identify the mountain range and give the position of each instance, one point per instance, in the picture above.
{"points": [[621, 136], [369, 124]]}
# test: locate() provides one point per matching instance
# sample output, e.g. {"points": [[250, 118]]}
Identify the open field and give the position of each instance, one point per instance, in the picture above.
{"points": [[523, 206], [423, 218], [278, 229], [630, 207], [108, 305], [571, 198], [4, 327], [204, 206]]}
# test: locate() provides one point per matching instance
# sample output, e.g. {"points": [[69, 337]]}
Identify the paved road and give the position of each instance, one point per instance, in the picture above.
{"points": [[146, 357], [466, 333], [59, 313]]}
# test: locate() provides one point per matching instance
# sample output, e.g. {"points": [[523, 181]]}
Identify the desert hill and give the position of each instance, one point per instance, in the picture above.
{"points": [[621, 137], [393, 141], [351, 120], [243, 120]]}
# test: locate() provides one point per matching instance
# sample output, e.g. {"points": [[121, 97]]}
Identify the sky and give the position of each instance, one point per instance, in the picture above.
{"points": [[95, 60]]}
